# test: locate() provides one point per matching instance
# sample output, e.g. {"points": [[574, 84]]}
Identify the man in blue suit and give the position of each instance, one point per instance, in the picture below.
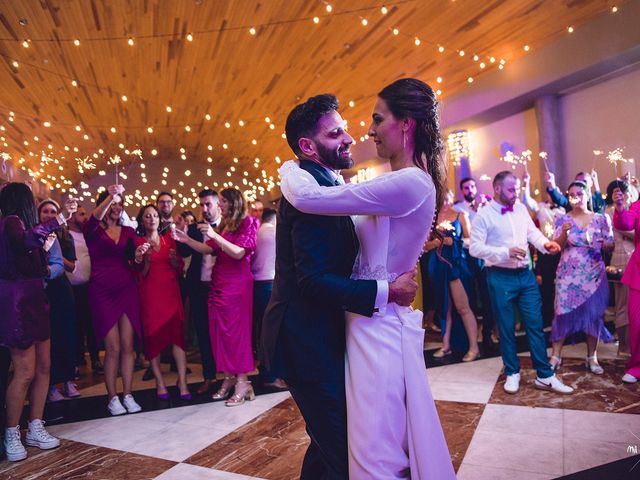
{"points": [[198, 282], [303, 332]]}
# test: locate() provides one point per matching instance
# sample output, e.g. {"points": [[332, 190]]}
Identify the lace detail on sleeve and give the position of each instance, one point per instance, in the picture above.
{"points": [[367, 272]]}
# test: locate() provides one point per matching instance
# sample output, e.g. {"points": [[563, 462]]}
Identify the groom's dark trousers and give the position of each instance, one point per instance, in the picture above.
{"points": [[303, 330]]}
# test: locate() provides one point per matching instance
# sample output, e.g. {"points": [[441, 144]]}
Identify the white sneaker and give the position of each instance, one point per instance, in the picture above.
{"points": [[512, 385], [628, 378], [115, 407], [131, 404], [13, 447], [37, 436], [552, 384]]}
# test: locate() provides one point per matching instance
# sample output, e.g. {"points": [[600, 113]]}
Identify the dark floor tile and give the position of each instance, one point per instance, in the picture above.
{"points": [[597, 393], [75, 461]]}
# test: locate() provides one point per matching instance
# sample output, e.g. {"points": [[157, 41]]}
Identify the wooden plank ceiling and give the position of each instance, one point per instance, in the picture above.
{"points": [[230, 90]]}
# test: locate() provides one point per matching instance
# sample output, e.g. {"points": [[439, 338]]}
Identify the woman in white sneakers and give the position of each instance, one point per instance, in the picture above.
{"points": [[25, 328]]}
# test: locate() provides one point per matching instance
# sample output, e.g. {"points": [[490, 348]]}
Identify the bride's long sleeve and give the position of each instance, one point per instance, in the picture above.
{"points": [[394, 194]]}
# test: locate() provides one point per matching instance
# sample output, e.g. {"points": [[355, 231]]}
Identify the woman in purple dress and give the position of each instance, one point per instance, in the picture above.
{"points": [[582, 289], [113, 294], [231, 295], [24, 325]]}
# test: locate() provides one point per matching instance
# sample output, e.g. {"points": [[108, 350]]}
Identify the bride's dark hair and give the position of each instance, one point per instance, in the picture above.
{"points": [[412, 98]]}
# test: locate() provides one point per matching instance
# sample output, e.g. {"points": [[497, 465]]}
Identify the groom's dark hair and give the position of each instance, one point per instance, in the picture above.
{"points": [[303, 119]]}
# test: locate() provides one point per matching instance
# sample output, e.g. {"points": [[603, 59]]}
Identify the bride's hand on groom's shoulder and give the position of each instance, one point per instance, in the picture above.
{"points": [[404, 289]]}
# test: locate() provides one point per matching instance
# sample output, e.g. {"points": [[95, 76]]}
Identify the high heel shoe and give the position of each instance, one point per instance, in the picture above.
{"points": [[441, 353], [558, 363], [594, 367], [471, 356], [238, 398], [225, 390], [183, 396]]}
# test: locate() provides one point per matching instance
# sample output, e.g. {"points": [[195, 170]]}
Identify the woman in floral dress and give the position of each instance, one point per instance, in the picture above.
{"points": [[582, 290]]}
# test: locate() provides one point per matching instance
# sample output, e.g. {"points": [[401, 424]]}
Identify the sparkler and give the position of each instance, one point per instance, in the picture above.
{"points": [[543, 156], [115, 160], [514, 160], [445, 226]]}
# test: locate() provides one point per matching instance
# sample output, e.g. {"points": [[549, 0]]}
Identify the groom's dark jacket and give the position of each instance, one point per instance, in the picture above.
{"points": [[303, 329]]}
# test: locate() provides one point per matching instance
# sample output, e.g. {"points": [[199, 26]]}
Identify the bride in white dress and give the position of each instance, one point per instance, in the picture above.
{"points": [[392, 423]]}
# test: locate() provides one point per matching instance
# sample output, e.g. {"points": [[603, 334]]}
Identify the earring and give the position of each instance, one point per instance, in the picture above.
{"points": [[404, 140]]}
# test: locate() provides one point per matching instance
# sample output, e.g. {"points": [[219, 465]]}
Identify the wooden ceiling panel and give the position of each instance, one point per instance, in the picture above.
{"points": [[231, 75]]}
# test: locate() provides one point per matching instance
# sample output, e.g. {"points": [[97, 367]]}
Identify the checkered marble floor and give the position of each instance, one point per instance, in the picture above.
{"points": [[491, 435]]}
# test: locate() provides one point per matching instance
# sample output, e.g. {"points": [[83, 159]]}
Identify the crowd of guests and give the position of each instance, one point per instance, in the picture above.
{"points": [[522, 264], [78, 279]]}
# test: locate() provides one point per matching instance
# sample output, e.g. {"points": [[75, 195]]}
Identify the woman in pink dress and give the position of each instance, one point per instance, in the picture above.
{"points": [[231, 295], [160, 301], [628, 218], [113, 294]]}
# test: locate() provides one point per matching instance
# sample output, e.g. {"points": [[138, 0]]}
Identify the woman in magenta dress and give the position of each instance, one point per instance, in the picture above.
{"points": [[628, 218], [113, 294], [160, 301], [231, 296]]}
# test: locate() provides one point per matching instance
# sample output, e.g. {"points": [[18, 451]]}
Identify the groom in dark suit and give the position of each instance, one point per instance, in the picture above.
{"points": [[303, 331]]}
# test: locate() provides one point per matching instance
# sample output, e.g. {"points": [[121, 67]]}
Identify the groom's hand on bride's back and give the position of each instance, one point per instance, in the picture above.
{"points": [[404, 289]]}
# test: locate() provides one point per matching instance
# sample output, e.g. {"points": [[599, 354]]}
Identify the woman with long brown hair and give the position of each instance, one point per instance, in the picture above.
{"points": [[25, 329], [231, 295], [388, 396]]}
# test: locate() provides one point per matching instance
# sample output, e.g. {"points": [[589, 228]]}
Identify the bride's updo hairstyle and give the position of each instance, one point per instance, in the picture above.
{"points": [[412, 98]]}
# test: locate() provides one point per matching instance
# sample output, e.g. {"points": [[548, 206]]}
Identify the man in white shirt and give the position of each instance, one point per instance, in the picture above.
{"points": [[79, 280], [500, 235]]}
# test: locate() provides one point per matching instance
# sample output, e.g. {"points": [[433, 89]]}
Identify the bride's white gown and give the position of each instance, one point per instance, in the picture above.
{"points": [[392, 423]]}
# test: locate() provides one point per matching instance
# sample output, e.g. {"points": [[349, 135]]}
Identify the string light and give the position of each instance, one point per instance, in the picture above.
{"points": [[25, 44], [384, 10], [124, 98], [396, 31], [527, 48], [190, 37], [316, 20], [329, 8], [15, 64], [169, 109], [74, 83], [461, 53], [364, 22], [614, 9], [76, 42], [570, 29], [441, 49], [252, 31], [416, 41], [131, 42]]}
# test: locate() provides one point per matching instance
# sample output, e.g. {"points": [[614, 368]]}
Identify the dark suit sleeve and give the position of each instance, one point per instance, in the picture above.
{"points": [[312, 262], [183, 249]]}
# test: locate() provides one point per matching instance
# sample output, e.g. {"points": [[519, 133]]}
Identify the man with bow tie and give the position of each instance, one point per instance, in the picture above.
{"points": [[500, 235]]}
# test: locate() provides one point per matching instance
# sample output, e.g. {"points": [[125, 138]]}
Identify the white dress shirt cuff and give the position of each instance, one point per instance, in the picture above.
{"points": [[382, 296]]}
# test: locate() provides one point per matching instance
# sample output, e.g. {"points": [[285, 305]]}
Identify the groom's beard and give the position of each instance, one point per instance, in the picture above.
{"points": [[337, 159]]}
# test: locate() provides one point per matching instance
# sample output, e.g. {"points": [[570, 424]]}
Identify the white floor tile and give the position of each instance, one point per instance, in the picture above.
{"points": [[184, 471], [468, 471], [526, 420], [531, 453], [602, 426], [461, 392], [583, 454]]}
